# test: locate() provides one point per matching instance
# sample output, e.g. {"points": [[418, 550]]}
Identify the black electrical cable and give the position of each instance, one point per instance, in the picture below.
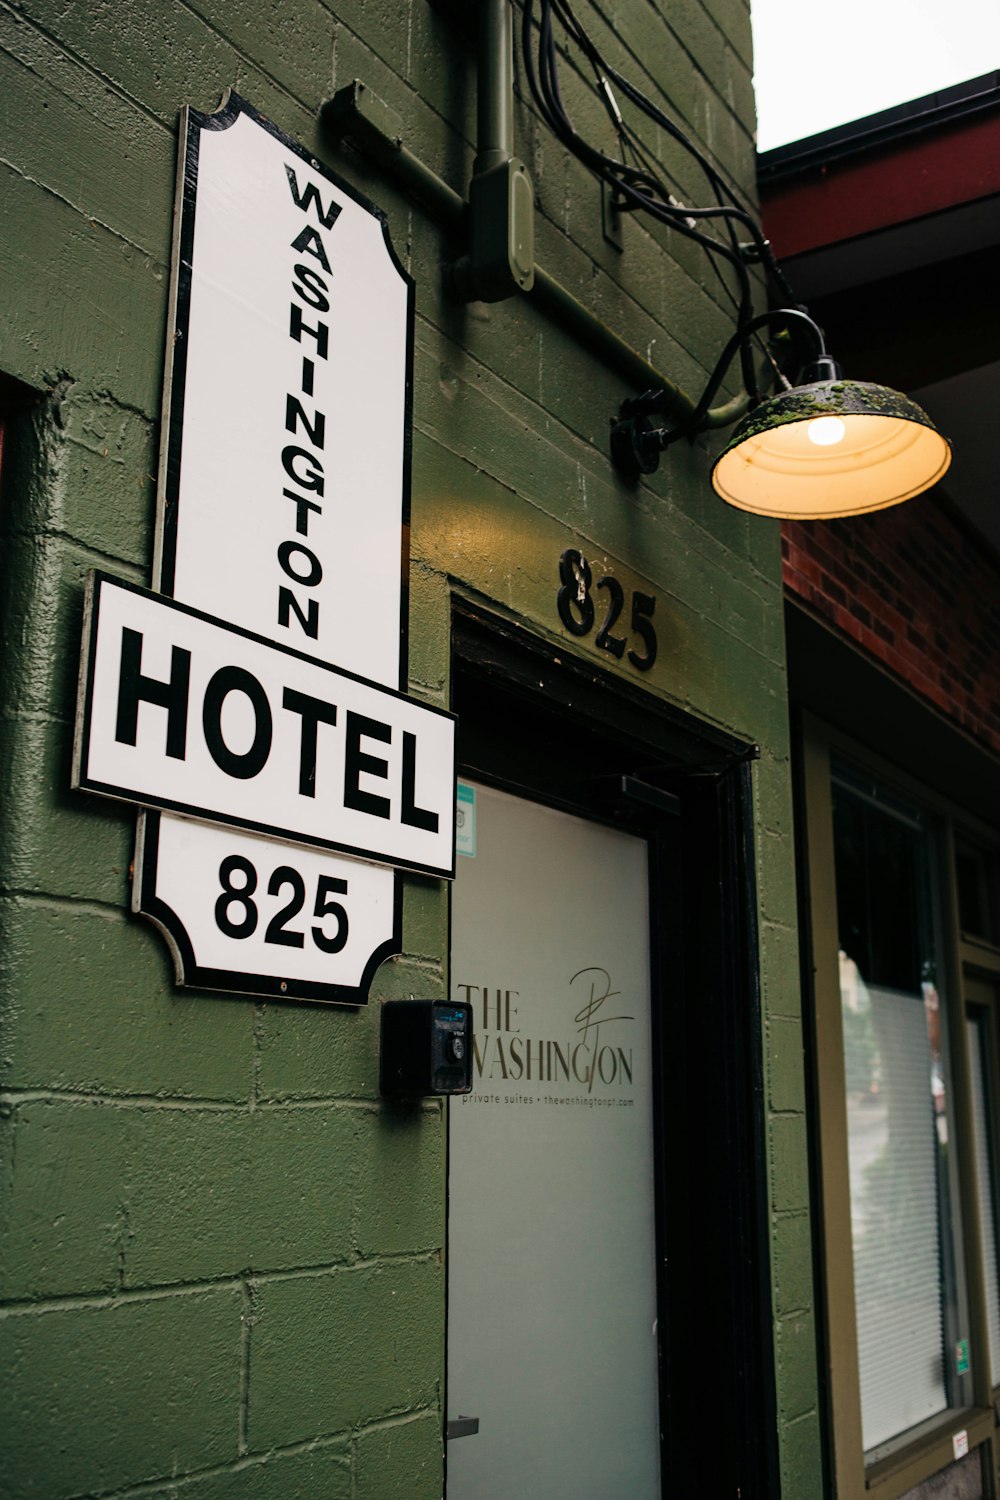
{"points": [[545, 88], [639, 186], [760, 321], [604, 71], [721, 188]]}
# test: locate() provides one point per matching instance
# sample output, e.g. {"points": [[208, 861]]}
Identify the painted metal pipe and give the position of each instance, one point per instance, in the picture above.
{"points": [[354, 113], [495, 86]]}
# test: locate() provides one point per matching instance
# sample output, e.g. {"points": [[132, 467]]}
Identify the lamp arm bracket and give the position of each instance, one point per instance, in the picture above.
{"points": [[740, 339], [636, 444]]}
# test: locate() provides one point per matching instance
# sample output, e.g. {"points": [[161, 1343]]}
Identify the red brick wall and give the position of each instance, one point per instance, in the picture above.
{"points": [[918, 590]]}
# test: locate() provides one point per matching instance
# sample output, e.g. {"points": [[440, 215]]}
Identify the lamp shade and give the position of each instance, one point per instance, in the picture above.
{"points": [[835, 448]]}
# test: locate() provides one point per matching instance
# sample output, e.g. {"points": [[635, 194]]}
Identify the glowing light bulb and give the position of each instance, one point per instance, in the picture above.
{"points": [[825, 431]]}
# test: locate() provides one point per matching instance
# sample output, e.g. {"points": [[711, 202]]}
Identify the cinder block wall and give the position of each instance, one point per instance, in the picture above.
{"points": [[919, 591], [222, 1254]]}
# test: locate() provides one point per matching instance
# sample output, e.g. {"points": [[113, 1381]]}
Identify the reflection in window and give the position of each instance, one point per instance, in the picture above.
{"points": [[897, 1115]]}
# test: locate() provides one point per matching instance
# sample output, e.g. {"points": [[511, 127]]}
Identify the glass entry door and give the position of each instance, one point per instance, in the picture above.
{"points": [[552, 1337]]}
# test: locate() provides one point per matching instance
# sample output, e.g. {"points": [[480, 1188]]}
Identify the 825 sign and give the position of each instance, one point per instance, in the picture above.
{"points": [[575, 603], [237, 913]]}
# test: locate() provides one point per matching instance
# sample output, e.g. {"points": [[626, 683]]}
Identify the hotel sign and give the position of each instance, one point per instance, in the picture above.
{"points": [[255, 703]]}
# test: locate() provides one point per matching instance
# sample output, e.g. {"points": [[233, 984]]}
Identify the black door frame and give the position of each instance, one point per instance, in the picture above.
{"points": [[544, 723]]}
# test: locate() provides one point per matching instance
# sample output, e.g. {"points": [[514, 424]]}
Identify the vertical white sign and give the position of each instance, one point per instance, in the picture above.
{"points": [[284, 493]]}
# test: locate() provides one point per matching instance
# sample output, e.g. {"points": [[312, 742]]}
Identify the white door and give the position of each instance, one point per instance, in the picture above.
{"points": [[551, 1243]]}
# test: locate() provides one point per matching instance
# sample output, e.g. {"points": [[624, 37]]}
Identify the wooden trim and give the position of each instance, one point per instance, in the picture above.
{"points": [[977, 955], [968, 1251], [895, 1475], [837, 1260]]}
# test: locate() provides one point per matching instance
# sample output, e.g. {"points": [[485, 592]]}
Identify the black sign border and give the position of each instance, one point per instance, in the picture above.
{"points": [[193, 122], [267, 985]]}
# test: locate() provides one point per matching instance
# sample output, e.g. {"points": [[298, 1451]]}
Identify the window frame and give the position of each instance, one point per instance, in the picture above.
{"points": [[929, 1448], [982, 1005]]}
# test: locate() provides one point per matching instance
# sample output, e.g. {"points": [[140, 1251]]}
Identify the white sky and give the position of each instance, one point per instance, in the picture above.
{"points": [[819, 66]]}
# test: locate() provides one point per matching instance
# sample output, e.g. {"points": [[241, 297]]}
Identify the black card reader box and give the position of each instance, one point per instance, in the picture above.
{"points": [[426, 1047]]}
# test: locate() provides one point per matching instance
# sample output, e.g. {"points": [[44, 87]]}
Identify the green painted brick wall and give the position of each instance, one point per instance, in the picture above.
{"points": [[222, 1254]]}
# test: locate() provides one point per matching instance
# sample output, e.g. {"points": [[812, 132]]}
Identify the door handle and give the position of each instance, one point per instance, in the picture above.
{"points": [[461, 1427]]}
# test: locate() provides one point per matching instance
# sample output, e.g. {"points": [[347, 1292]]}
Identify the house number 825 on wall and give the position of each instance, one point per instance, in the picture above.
{"points": [[575, 603]]}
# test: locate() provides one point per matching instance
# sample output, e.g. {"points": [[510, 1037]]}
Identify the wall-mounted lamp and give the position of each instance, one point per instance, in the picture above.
{"points": [[823, 448], [830, 448], [826, 447]]}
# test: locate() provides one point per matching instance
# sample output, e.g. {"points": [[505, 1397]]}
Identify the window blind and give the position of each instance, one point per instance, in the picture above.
{"points": [[893, 1144]]}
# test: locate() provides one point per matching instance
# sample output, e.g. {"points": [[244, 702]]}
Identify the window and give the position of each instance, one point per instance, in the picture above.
{"points": [[905, 1060], [912, 1334]]}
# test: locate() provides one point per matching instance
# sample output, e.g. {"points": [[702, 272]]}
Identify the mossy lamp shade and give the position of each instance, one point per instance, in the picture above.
{"points": [[835, 448]]}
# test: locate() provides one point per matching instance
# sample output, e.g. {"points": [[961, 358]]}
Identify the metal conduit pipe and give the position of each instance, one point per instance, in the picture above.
{"points": [[495, 87], [500, 259], [566, 309], [357, 115]]}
